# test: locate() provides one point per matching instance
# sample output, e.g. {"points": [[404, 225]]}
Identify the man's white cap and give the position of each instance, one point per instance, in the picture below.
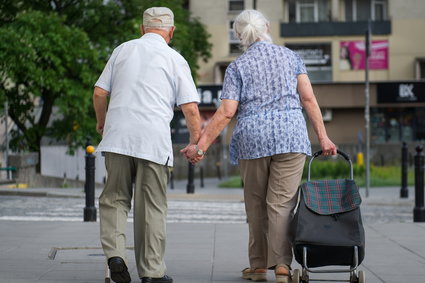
{"points": [[158, 17]]}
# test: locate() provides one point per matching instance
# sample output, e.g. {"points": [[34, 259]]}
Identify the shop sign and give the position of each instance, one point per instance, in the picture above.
{"points": [[352, 55], [408, 92], [210, 95], [316, 56]]}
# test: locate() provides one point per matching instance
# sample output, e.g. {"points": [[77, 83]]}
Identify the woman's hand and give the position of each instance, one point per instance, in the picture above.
{"points": [[191, 153], [328, 147]]}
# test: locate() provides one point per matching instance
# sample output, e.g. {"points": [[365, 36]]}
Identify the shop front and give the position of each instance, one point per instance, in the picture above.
{"points": [[399, 115]]}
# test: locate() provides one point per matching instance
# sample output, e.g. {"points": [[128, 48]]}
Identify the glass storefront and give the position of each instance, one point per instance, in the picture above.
{"points": [[395, 125]]}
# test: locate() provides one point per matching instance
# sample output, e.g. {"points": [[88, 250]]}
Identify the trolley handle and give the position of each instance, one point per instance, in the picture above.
{"points": [[343, 154]]}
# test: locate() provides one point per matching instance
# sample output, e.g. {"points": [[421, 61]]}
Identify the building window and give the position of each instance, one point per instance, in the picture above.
{"points": [[236, 5], [234, 42], [379, 10], [363, 10], [349, 10], [291, 11], [305, 11]]}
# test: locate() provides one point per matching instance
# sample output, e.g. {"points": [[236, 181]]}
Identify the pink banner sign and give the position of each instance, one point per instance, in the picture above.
{"points": [[352, 55]]}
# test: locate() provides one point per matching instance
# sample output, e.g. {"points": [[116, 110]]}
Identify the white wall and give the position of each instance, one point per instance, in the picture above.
{"points": [[55, 162]]}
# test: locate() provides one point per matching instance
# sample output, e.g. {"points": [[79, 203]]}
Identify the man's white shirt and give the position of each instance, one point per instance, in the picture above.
{"points": [[145, 78]]}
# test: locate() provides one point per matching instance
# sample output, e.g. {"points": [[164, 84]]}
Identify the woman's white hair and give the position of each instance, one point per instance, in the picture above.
{"points": [[251, 26]]}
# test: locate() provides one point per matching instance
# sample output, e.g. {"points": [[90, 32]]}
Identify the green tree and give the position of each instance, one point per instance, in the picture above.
{"points": [[46, 66], [52, 52], [109, 23]]}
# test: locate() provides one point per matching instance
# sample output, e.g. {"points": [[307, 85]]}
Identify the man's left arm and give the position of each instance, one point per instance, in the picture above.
{"points": [[100, 104]]}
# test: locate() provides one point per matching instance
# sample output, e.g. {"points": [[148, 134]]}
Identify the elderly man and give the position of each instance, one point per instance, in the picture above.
{"points": [[144, 78]]}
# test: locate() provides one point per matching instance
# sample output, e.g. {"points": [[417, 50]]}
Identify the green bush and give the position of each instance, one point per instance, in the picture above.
{"points": [[339, 169], [330, 169], [379, 175]]}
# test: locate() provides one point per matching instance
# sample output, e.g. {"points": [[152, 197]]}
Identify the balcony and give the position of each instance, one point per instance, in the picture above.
{"points": [[333, 28]]}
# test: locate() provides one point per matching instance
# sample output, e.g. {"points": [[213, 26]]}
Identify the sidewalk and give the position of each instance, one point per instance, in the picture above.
{"points": [[196, 253]]}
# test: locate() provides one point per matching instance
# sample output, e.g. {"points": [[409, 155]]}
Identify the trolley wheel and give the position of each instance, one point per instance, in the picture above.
{"points": [[296, 276], [361, 277], [304, 276]]}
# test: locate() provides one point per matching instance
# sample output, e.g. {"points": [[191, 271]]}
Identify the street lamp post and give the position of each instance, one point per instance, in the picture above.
{"points": [[367, 107]]}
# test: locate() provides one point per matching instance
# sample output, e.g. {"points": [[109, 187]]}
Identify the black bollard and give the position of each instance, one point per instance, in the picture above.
{"points": [[88, 143], [90, 209], [419, 210], [190, 188], [217, 165], [171, 179], [404, 192], [201, 176]]}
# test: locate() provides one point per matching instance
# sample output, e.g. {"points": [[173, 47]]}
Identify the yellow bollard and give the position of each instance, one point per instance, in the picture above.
{"points": [[360, 160]]}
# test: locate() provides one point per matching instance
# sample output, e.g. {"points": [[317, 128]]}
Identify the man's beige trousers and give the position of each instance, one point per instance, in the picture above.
{"points": [[150, 211], [270, 192]]}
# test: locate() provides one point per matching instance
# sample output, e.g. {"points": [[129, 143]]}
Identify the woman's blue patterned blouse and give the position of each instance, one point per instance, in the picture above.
{"points": [[270, 119]]}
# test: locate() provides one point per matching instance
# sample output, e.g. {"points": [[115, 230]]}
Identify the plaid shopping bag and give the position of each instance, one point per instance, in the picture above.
{"points": [[327, 197]]}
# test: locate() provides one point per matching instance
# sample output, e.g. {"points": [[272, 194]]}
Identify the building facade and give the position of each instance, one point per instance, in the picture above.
{"points": [[330, 36]]}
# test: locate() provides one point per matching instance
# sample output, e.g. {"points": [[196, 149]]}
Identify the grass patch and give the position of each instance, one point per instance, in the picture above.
{"points": [[234, 182]]}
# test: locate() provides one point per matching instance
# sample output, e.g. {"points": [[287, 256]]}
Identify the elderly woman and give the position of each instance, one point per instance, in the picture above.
{"points": [[267, 86]]}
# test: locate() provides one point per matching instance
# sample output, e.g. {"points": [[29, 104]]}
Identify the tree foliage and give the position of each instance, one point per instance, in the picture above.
{"points": [[45, 66], [51, 53]]}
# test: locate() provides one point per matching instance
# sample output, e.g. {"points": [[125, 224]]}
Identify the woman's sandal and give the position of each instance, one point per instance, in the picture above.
{"points": [[283, 276], [257, 275]]}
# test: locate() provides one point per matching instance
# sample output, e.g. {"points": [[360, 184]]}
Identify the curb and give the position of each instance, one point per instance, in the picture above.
{"points": [[14, 192], [182, 197]]}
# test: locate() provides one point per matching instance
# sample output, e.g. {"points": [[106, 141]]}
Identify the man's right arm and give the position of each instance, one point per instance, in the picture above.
{"points": [[100, 105]]}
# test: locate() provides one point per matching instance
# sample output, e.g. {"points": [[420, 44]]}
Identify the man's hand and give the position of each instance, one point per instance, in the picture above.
{"points": [[191, 153], [99, 129]]}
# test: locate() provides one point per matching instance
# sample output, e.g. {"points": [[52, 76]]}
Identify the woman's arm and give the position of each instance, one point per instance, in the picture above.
{"points": [[311, 106], [219, 121]]}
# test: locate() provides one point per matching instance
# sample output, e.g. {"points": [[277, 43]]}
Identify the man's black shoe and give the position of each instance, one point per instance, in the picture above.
{"points": [[164, 279], [119, 271]]}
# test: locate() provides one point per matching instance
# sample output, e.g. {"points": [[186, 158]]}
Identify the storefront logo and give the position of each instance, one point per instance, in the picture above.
{"points": [[405, 92], [401, 92]]}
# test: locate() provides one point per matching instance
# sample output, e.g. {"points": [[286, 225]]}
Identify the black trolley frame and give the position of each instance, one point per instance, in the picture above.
{"points": [[356, 276]]}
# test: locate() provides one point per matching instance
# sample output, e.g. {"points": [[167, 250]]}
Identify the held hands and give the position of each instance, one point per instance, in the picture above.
{"points": [[191, 153]]}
